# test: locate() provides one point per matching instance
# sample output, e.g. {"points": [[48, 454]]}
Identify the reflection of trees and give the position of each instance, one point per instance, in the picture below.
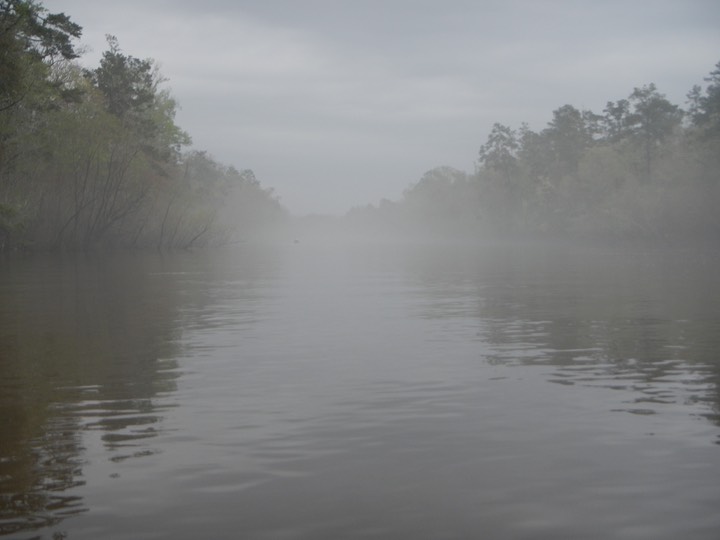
{"points": [[649, 323], [85, 343]]}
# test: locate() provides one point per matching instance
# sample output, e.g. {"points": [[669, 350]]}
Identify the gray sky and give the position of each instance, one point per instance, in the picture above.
{"points": [[339, 103]]}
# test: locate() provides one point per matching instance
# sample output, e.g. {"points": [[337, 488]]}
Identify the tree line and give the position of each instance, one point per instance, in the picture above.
{"points": [[643, 169], [93, 157]]}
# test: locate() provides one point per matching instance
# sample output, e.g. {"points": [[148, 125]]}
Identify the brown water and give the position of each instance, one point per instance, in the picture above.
{"points": [[386, 392]]}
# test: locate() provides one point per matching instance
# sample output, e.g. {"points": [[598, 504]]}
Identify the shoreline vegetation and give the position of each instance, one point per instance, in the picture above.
{"points": [[644, 171], [92, 158]]}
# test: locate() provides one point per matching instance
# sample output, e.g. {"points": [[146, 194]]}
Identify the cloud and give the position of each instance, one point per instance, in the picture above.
{"points": [[338, 103]]}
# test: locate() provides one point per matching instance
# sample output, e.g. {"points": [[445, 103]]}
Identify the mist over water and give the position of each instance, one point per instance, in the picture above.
{"points": [[527, 348], [350, 390]]}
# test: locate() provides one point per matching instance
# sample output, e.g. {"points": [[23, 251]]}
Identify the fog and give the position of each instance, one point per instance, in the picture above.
{"points": [[338, 104], [251, 121], [356, 270]]}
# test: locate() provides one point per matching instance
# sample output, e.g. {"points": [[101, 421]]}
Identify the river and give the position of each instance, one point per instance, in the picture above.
{"points": [[387, 391]]}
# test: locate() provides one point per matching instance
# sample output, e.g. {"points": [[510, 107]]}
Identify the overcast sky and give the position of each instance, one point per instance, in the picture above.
{"points": [[340, 103]]}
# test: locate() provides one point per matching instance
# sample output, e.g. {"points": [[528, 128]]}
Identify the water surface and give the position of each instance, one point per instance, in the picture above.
{"points": [[361, 392]]}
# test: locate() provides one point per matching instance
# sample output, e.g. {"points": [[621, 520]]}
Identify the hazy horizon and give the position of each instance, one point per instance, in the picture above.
{"points": [[340, 104]]}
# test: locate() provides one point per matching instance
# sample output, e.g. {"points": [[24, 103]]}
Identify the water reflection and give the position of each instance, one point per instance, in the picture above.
{"points": [[86, 344], [318, 393], [646, 323]]}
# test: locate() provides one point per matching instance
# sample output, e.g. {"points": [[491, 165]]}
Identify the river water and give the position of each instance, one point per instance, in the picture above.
{"points": [[308, 392]]}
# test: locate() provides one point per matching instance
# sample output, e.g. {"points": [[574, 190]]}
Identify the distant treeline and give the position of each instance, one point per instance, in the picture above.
{"points": [[644, 169], [93, 157]]}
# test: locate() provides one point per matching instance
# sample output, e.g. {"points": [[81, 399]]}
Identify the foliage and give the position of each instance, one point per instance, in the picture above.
{"points": [[500, 151], [705, 108], [642, 171], [93, 157], [31, 39]]}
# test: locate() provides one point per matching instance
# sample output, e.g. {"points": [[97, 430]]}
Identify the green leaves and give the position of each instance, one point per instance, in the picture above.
{"points": [[31, 40], [93, 158], [604, 174], [128, 83], [131, 90]]}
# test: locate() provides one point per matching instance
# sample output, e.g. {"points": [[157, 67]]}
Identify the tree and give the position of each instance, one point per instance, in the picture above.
{"points": [[500, 151], [705, 108], [501, 186], [32, 42], [92, 158], [616, 121], [439, 202], [534, 154], [131, 88], [569, 137], [128, 83], [31, 39], [652, 120]]}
